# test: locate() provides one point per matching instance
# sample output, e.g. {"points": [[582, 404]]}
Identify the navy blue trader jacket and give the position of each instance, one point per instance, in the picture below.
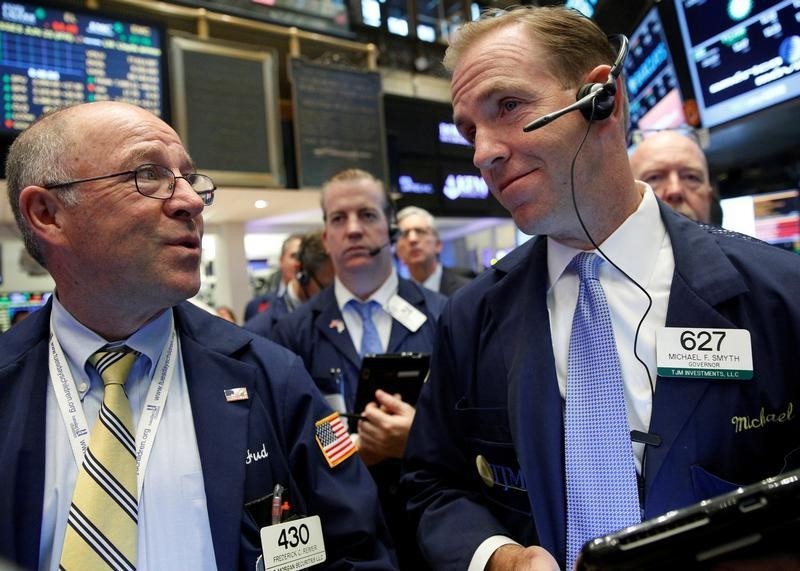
{"points": [[492, 405], [279, 415]]}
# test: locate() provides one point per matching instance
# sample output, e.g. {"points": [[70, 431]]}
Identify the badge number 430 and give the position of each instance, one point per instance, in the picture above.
{"points": [[293, 545]]}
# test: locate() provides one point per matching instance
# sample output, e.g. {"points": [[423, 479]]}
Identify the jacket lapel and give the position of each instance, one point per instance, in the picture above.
{"points": [[221, 428], [24, 374], [399, 332], [326, 317], [703, 279], [534, 402]]}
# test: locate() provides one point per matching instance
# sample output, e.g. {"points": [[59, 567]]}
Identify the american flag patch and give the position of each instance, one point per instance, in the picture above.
{"points": [[333, 439]]}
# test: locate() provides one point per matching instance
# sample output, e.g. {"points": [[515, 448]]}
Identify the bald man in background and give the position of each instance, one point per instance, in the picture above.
{"points": [[676, 168]]}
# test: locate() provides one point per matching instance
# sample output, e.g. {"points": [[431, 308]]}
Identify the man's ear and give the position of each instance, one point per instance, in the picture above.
{"points": [[42, 209]]}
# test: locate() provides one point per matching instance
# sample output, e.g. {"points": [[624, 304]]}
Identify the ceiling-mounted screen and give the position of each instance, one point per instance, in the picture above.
{"points": [[430, 163], [51, 57], [650, 78], [743, 56]]}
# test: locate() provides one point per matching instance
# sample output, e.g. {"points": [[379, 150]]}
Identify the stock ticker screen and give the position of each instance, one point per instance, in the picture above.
{"points": [[650, 78], [743, 55], [51, 57]]}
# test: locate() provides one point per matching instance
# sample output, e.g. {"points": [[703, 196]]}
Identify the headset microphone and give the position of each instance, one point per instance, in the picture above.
{"points": [[594, 100], [584, 103], [377, 249]]}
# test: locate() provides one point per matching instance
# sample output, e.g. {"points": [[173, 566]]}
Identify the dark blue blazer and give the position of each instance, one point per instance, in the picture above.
{"points": [[316, 332], [279, 414], [258, 304], [311, 332], [452, 281], [262, 323], [493, 393]]}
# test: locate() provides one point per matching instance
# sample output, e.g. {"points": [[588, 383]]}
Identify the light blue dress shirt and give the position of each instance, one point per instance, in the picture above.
{"points": [[174, 530]]}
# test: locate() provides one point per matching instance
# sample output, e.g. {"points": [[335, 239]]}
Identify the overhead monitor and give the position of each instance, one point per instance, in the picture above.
{"points": [[773, 217], [430, 163], [655, 97], [744, 56], [51, 57]]}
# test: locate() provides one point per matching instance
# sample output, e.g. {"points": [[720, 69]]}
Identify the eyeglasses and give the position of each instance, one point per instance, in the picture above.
{"points": [[156, 181], [421, 232]]}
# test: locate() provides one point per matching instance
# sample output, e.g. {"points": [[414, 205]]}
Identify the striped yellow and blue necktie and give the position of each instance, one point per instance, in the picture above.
{"points": [[101, 530]]}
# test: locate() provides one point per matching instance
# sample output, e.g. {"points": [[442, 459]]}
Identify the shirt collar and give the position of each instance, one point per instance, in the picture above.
{"points": [[381, 295], [434, 280], [79, 342], [633, 246]]}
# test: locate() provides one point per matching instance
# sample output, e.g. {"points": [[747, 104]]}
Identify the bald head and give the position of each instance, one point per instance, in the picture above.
{"points": [[675, 167]]}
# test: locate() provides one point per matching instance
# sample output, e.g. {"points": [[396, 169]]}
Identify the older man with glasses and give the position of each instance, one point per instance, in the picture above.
{"points": [[100, 469], [419, 246]]}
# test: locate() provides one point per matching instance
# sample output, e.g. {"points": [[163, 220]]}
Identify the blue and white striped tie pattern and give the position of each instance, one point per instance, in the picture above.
{"points": [[370, 340], [602, 495], [102, 525]]}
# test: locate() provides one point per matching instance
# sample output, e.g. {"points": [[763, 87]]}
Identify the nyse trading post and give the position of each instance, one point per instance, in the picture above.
{"points": [[54, 57]]}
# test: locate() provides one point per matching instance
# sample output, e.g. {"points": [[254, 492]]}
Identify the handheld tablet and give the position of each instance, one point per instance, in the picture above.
{"points": [[402, 373], [753, 521]]}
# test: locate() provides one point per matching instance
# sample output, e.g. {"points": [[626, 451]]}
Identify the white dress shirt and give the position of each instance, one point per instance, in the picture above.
{"points": [[641, 248], [380, 317], [434, 281], [174, 530]]}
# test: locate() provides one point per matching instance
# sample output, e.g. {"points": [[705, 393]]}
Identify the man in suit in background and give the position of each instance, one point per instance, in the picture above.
{"points": [[331, 336], [676, 169], [108, 200], [279, 279], [315, 273], [510, 462], [418, 247]]}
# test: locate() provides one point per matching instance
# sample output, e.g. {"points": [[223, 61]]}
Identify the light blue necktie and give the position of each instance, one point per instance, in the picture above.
{"points": [[370, 340], [602, 494]]}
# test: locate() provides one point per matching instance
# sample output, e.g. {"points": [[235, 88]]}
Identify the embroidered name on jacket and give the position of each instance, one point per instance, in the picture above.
{"points": [[743, 423]]}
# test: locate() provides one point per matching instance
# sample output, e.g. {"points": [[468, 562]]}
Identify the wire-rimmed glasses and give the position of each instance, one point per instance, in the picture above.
{"points": [[156, 181]]}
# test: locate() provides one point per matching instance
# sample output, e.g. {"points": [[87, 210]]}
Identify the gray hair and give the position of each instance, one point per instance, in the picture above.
{"points": [[417, 211], [37, 158]]}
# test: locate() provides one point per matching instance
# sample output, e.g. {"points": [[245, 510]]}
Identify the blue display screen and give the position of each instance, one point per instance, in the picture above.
{"points": [[52, 57], [650, 78], [743, 55]]}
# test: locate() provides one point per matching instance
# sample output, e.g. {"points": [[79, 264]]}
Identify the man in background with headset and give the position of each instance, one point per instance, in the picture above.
{"points": [[331, 335], [315, 273], [541, 379]]}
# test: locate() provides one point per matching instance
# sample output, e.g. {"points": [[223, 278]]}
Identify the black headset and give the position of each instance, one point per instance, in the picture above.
{"points": [[594, 100], [391, 217]]}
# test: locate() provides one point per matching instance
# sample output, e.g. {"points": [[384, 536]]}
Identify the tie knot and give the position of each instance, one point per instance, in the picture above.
{"points": [[586, 265], [113, 365], [364, 309]]}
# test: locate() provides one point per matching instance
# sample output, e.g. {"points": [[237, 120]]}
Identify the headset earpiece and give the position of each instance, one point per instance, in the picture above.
{"points": [[602, 105], [302, 278], [391, 218]]}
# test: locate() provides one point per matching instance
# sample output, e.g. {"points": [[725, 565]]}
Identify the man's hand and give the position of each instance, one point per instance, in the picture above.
{"points": [[517, 558], [384, 433]]}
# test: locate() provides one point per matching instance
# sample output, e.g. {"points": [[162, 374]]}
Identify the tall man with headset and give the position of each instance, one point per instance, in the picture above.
{"points": [[551, 363], [315, 273], [331, 335]]}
